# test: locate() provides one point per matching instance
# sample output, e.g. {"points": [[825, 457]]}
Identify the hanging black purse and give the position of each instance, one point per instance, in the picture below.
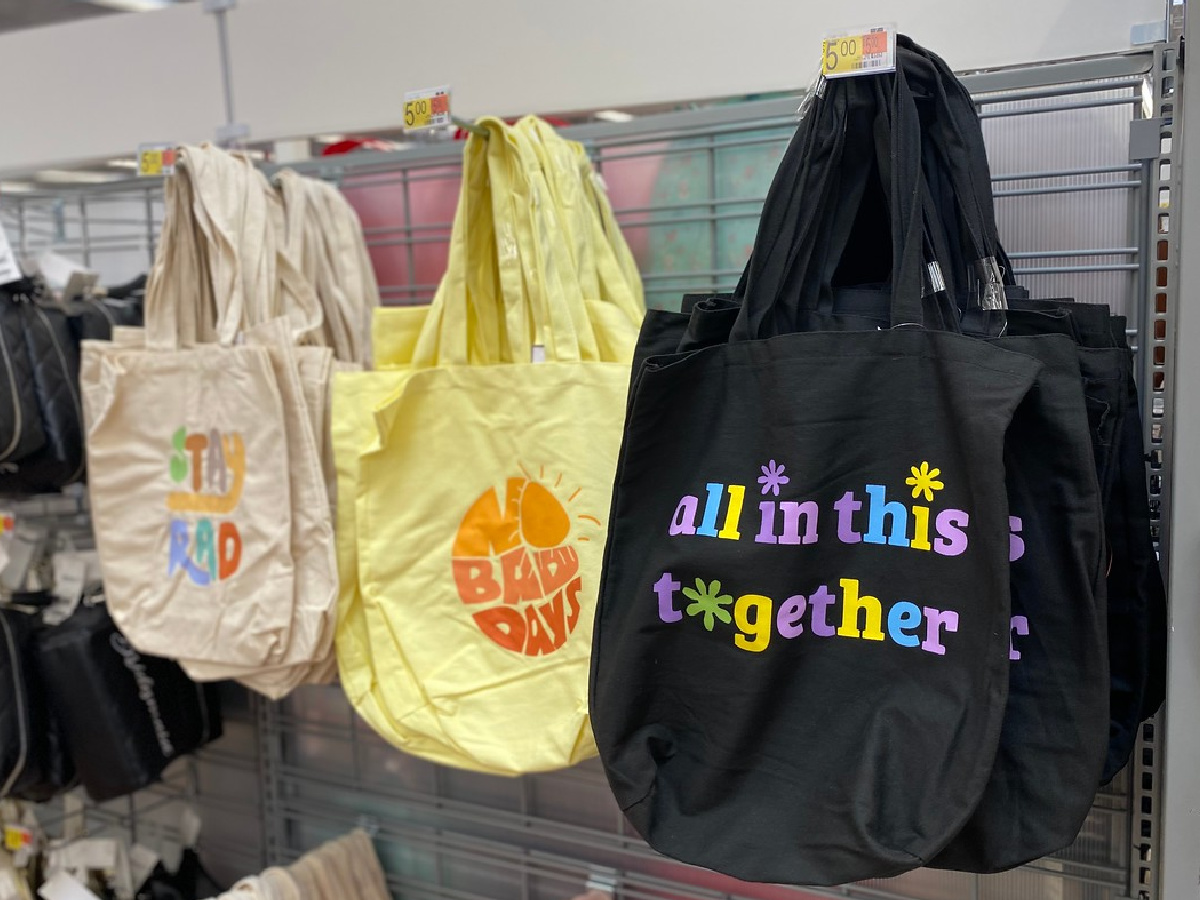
{"points": [[126, 715], [34, 763]]}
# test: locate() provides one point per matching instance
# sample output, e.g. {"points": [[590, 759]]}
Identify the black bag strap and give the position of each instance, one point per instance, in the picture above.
{"points": [[767, 309], [955, 134]]}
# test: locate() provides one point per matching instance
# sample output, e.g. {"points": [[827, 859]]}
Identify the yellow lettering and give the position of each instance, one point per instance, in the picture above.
{"points": [[920, 539], [755, 629], [851, 605], [737, 493], [216, 504]]}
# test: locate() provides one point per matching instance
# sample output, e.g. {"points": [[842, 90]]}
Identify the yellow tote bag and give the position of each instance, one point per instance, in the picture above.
{"points": [[481, 494]]}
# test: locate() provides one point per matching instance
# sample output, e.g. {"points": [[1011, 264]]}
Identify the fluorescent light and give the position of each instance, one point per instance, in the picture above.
{"points": [[64, 176], [613, 115], [123, 163], [133, 5], [17, 187], [329, 138]]}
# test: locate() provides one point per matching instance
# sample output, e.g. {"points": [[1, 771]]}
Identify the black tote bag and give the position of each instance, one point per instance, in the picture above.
{"points": [[34, 761], [1055, 731], [1056, 721], [126, 715], [807, 684]]}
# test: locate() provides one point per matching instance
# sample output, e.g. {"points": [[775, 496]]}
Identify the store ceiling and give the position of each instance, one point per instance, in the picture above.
{"points": [[16, 15]]}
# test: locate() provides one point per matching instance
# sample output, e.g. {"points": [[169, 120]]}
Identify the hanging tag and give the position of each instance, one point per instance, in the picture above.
{"points": [[189, 826], [537, 353], [142, 861], [155, 160], [429, 108], [62, 886], [10, 269], [16, 837], [859, 51], [70, 575]]}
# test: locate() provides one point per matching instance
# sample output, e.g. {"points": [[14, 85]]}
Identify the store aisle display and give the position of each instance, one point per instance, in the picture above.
{"points": [[983, 620], [687, 749], [235, 576], [474, 474]]}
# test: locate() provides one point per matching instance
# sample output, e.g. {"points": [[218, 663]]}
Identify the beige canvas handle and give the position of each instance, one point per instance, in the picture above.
{"points": [[216, 215]]}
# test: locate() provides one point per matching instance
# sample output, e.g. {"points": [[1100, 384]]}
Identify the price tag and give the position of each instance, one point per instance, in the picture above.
{"points": [[427, 109], [16, 837], [859, 51], [155, 159]]}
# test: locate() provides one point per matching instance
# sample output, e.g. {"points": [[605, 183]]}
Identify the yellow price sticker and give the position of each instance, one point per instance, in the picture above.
{"points": [[427, 109], [156, 159], [864, 52], [15, 838]]}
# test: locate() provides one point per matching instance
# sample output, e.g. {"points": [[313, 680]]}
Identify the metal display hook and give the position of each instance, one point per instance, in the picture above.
{"points": [[232, 131]]}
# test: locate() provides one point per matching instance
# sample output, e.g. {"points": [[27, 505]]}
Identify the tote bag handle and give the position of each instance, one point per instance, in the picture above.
{"points": [[898, 154]]}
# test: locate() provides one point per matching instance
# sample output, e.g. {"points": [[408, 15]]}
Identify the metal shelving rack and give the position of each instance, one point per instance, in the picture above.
{"points": [[1084, 219]]}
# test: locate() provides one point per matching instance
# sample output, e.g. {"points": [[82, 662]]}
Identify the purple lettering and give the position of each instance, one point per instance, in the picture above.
{"points": [[684, 521], [792, 511], [665, 588], [788, 618], [846, 508], [820, 601], [935, 621], [766, 530], [952, 539], [1016, 544], [1018, 626]]}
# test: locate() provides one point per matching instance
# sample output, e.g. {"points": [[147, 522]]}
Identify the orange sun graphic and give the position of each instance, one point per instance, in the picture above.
{"points": [[516, 566]]}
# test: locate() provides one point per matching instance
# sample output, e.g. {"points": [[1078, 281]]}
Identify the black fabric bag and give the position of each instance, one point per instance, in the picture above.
{"points": [[126, 715], [54, 358], [191, 882], [34, 763], [807, 684], [21, 432], [1136, 595]]}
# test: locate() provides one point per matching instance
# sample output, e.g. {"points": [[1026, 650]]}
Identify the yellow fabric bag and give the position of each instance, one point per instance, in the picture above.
{"points": [[482, 480], [394, 333]]}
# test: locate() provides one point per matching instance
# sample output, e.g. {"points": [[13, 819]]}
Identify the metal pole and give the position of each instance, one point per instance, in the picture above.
{"points": [[85, 231], [232, 131], [1179, 852], [226, 67]]}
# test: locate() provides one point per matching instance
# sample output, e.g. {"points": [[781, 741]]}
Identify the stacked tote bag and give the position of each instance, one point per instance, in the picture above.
{"points": [[206, 438], [852, 615], [474, 472]]}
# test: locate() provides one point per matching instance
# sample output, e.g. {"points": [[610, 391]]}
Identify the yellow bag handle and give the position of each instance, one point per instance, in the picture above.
{"points": [[554, 298], [394, 334], [563, 240], [462, 325]]}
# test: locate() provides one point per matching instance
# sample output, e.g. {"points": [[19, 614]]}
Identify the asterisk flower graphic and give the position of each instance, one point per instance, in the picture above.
{"points": [[772, 477], [710, 601], [924, 481]]}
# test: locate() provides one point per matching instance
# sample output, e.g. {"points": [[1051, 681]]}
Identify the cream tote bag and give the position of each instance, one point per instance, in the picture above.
{"points": [[188, 453]]}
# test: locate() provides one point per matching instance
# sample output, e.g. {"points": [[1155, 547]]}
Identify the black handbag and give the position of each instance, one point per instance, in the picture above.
{"points": [[21, 433], [34, 761], [50, 351], [808, 684], [126, 715]]}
